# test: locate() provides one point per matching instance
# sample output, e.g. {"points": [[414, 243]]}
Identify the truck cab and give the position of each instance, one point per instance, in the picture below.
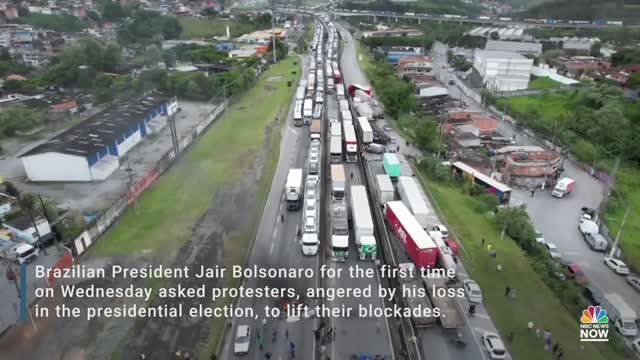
{"points": [[310, 243], [20, 253], [563, 187]]}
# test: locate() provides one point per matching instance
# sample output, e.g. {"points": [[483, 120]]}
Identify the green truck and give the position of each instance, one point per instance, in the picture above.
{"points": [[391, 165]]}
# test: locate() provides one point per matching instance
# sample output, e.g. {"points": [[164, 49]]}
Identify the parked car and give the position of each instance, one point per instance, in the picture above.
{"points": [[243, 340], [616, 265], [592, 294], [574, 271], [310, 223], [386, 128], [474, 294], [442, 229], [553, 250], [494, 345], [634, 282]]}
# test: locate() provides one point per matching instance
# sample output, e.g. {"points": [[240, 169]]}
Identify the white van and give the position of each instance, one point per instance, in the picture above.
{"points": [[310, 243]]}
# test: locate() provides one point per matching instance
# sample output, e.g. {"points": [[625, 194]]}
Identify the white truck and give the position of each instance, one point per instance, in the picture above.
{"points": [[620, 314], [412, 197], [344, 105], [363, 223], [415, 295], [310, 243], [365, 130], [346, 117], [350, 142], [450, 309], [384, 188], [300, 93], [340, 91], [338, 181], [293, 189], [336, 129], [19, 252], [297, 113], [339, 230], [591, 233], [445, 256], [335, 149], [307, 111], [563, 187], [365, 109]]}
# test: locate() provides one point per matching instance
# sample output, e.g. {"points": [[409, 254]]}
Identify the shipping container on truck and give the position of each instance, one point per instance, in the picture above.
{"points": [[297, 113], [338, 181], [344, 105], [365, 109], [362, 223], [350, 143], [300, 93], [391, 165], [415, 295], [315, 129], [293, 189], [412, 196], [339, 230], [445, 256], [450, 308], [366, 132], [563, 187], [340, 91], [307, 111], [346, 117], [417, 244], [385, 189], [336, 129], [335, 148]]}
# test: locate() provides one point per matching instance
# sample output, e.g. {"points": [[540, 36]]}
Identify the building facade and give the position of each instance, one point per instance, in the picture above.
{"points": [[502, 70]]}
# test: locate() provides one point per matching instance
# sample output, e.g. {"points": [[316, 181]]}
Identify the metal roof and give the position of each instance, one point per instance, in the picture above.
{"points": [[102, 129]]}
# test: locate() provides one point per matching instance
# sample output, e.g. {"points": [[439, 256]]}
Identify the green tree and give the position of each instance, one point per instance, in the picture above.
{"points": [[634, 80], [112, 58], [19, 117], [426, 135], [595, 49], [112, 11], [152, 55]]}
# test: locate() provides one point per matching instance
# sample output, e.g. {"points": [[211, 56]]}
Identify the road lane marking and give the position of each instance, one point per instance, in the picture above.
{"points": [[271, 250]]}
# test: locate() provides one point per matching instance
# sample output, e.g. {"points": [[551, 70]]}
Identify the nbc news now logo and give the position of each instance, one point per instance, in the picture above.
{"points": [[594, 324]]}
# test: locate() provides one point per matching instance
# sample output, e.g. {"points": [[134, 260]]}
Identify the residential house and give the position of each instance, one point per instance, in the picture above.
{"points": [[414, 65], [23, 229]]}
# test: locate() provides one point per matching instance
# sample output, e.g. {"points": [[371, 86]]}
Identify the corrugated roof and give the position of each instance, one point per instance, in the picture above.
{"points": [[100, 130], [516, 46]]}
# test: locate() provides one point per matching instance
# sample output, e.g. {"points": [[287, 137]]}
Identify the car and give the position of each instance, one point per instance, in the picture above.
{"points": [[386, 128], [574, 271], [243, 340], [616, 265], [474, 294], [310, 223], [539, 237], [442, 229], [313, 179], [636, 345], [310, 206], [494, 345], [552, 249], [592, 294], [314, 151], [634, 282], [311, 192]]}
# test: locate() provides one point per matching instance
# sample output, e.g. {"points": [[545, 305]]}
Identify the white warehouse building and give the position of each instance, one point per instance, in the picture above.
{"points": [[91, 150], [502, 70]]}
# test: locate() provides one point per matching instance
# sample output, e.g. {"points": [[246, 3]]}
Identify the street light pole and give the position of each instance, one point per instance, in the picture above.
{"points": [[617, 239]]}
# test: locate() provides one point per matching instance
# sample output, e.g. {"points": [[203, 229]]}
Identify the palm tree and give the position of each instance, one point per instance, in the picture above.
{"points": [[27, 203]]}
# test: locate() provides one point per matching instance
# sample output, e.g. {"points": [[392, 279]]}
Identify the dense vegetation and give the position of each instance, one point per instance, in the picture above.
{"points": [[421, 7], [450, 33], [18, 117], [59, 23], [148, 27], [583, 10]]}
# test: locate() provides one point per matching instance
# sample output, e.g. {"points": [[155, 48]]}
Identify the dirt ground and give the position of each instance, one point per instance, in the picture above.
{"points": [[78, 339]]}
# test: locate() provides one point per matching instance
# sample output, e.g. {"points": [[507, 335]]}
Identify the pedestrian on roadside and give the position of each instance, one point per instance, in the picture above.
{"points": [[472, 310], [316, 333], [511, 336], [533, 192], [489, 246], [514, 294], [286, 334], [483, 240], [537, 332], [260, 343], [499, 268], [555, 349], [267, 356], [493, 254], [530, 326], [507, 290], [264, 322], [274, 335]]}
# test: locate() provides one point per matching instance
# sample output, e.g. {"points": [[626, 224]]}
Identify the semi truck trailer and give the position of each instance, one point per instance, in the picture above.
{"points": [[363, 223], [412, 196], [417, 244], [293, 189]]}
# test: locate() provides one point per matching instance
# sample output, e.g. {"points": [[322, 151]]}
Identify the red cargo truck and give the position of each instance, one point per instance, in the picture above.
{"points": [[418, 245]]}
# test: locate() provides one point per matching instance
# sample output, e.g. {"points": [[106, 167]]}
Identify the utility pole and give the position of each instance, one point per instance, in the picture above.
{"points": [[617, 239]]}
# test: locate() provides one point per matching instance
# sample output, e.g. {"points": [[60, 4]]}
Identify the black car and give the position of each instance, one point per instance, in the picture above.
{"points": [[592, 294]]}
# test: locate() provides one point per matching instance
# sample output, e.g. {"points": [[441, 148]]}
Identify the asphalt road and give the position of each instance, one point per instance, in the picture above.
{"points": [[354, 334], [276, 245], [435, 342], [557, 219]]}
